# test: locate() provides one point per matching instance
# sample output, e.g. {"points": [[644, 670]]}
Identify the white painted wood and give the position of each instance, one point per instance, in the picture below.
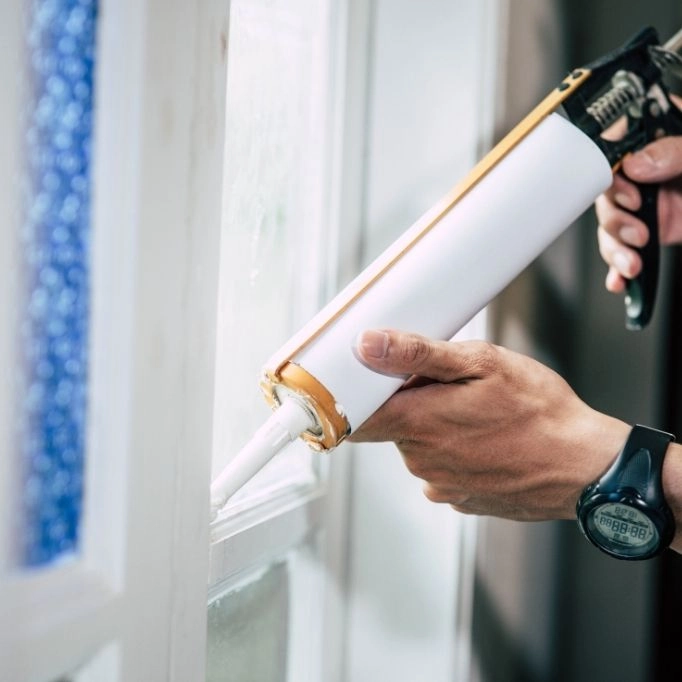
{"points": [[259, 537], [288, 514], [132, 605], [275, 210], [10, 136], [178, 77], [431, 85]]}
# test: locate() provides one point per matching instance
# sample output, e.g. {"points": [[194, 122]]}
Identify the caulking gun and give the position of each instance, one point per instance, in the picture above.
{"points": [[527, 190]]}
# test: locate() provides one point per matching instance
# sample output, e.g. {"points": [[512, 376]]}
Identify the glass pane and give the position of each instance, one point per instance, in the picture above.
{"points": [[247, 631], [55, 235], [274, 193]]}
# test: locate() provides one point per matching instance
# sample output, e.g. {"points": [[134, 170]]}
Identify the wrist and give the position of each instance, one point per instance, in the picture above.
{"points": [[603, 441], [590, 442]]}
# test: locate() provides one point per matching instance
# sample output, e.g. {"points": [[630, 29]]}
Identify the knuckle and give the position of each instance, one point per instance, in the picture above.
{"points": [[487, 357], [417, 466], [415, 350], [435, 494], [440, 488], [676, 149], [603, 207], [668, 150], [609, 225], [463, 509], [604, 251], [607, 243]]}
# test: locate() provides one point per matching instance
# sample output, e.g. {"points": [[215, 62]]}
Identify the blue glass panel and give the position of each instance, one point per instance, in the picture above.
{"points": [[55, 236]]}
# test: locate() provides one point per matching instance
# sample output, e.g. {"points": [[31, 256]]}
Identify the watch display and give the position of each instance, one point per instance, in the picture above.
{"points": [[623, 529]]}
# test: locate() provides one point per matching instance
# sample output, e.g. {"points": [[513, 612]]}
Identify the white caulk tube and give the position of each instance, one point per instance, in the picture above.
{"points": [[432, 281]]}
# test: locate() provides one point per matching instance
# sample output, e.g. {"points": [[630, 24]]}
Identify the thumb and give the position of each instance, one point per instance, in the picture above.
{"points": [[394, 352], [657, 162]]}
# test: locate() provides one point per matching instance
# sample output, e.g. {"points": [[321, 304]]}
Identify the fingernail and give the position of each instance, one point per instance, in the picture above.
{"points": [[622, 263], [373, 344], [625, 200], [629, 235]]}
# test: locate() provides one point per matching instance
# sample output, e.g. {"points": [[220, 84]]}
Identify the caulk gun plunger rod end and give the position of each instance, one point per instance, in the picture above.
{"points": [[674, 44], [283, 426]]}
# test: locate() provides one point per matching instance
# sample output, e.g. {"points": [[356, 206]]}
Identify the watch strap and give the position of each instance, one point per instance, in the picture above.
{"points": [[639, 465]]}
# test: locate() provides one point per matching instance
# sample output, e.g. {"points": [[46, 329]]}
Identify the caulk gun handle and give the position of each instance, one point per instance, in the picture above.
{"points": [[640, 292]]}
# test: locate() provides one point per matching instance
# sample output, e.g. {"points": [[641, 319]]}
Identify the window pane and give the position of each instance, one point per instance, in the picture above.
{"points": [[247, 631], [275, 190], [54, 239]]}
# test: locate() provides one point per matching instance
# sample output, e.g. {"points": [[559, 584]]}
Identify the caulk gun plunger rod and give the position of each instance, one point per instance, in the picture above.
{"points": [[675, 43], [283, 426]]}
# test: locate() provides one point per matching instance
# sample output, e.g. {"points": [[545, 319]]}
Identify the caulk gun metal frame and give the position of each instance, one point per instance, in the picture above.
{"points": [[626, 83], [630, 83]]}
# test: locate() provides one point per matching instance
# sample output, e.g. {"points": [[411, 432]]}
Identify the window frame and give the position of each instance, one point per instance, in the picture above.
{"points": [[297, 519], [156, 212]]}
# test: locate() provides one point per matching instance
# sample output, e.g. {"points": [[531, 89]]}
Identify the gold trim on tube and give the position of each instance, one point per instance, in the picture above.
{"points": [[332, 422]]}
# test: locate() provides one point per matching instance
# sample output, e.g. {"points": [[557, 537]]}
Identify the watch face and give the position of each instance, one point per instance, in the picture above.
{"points": [[623, 530]]}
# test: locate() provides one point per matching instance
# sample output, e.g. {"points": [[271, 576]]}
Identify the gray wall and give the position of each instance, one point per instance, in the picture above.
{"points": [[548, 606]]}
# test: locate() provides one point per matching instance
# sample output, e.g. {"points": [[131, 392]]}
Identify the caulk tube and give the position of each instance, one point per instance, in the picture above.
{"points": [[436, 284], [432, 280]]}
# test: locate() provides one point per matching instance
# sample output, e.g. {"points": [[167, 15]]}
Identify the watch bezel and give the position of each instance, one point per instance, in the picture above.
{"points": [[661, 517]]}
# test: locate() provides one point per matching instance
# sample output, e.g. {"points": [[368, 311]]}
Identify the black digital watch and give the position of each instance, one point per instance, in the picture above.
{"points": [[624, 513]]}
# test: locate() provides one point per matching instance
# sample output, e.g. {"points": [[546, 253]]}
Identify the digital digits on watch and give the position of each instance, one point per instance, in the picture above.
{"points": [[624, 513]]}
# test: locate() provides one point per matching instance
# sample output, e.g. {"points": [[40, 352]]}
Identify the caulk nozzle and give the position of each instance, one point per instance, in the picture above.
{"points": [[285, 424]]}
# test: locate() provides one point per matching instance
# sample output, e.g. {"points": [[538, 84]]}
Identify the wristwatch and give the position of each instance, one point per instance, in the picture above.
{"points": [[624, 513]]}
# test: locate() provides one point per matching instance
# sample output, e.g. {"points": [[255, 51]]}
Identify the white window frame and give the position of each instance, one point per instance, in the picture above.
{"points": [[305, 518], [141, 573]]}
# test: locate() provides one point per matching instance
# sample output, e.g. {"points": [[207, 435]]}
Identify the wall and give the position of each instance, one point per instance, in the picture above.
{"points": [[514, 601], [618, 372], [548, 605]]}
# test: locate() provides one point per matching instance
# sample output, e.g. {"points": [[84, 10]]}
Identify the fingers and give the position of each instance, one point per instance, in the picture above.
{"points": [[623, 261], [399, 353], [657, 162], [613, 212], [619, 231], [623, 194], [615, 282], [394, 352], [620, 224], [388, 423]]}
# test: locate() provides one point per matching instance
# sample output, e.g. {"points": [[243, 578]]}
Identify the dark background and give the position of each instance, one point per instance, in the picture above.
{"points": [[571, 613]]}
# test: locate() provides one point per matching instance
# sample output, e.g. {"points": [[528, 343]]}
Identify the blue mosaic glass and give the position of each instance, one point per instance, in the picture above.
{"points": [[55, 236]]}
